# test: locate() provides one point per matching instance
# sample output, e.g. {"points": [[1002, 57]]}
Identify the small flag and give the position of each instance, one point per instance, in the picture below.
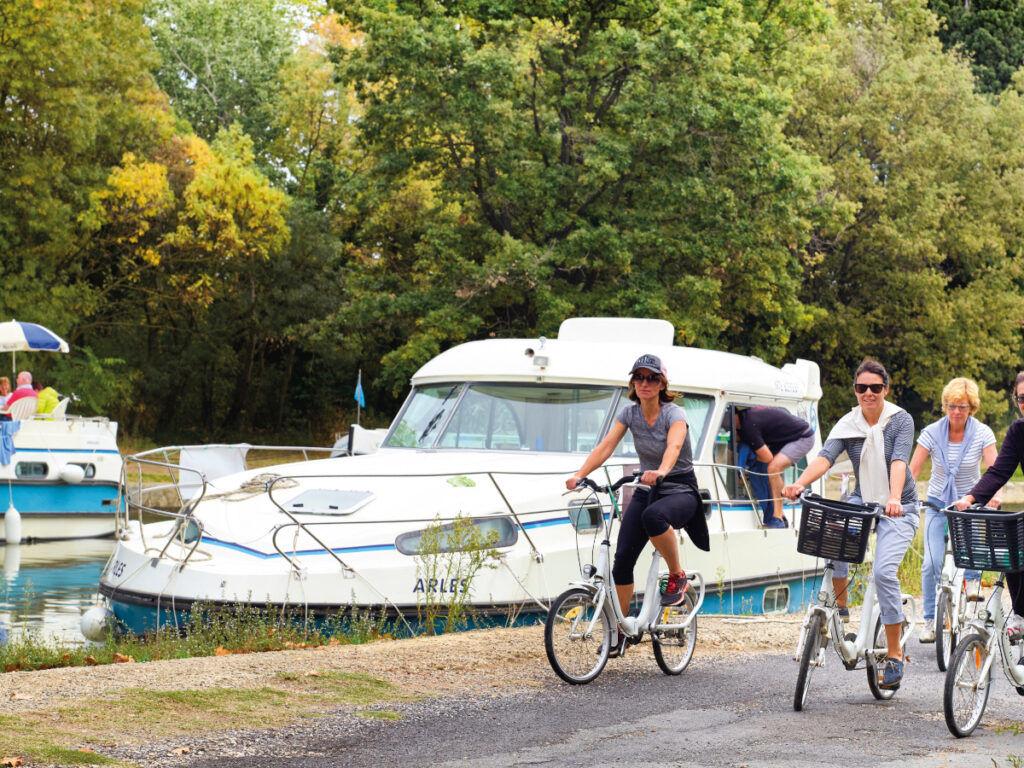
{"points": [[359, 396]]}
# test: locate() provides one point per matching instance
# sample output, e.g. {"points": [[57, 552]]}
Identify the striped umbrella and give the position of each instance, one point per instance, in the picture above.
{"points": [[28, 337]]}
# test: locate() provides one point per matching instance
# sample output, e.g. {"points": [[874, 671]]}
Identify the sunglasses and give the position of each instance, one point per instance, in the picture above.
{"points": [[650, 378], [1019, 399], [860, 389], [957, 407]]}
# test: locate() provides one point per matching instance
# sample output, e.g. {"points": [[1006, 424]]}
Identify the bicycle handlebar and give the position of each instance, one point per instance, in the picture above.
{"points": [[874, 508], [609, 489]]}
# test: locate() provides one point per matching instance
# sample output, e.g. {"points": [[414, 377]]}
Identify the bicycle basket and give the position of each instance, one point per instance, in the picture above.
{"points": [[835, 530], [987, 540]]}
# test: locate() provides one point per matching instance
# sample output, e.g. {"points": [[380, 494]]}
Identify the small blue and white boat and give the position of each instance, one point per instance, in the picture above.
{"points": [[488, 434], [62, 478]]}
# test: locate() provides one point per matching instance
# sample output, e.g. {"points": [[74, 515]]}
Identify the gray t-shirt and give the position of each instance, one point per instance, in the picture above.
{"points": [[651, 441]]}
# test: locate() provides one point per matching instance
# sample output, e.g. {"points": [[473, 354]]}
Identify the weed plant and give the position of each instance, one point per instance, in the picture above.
{"points": [[208, 631], [449, 557]]}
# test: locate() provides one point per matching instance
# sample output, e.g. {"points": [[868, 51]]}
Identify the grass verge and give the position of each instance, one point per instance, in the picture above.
{"points": [[69, 735], [210, 633]]}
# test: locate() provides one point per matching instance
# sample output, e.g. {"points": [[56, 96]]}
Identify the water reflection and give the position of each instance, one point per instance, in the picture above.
{"points": [[46, 587]]}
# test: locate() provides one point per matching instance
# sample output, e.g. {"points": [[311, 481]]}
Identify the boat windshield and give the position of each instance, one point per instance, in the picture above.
{"points": [[505, 417]]}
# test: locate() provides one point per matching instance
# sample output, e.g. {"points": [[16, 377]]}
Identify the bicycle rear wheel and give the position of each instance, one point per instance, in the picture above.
{"points": [[965, 693], [808, 659], [576, 651], [674, 649], [946, 630]]}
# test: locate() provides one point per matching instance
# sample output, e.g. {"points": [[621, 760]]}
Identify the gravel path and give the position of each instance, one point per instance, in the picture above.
{"points": [[449, 669]]}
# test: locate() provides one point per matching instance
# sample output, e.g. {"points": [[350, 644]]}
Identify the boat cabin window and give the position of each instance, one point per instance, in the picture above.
{"points": [[698, 409], [423, 416], [465, 535], [505, 417], [31, 469]]}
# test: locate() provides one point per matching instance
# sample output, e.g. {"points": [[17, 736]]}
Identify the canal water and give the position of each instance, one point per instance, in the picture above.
{"points": [[46, 587]]}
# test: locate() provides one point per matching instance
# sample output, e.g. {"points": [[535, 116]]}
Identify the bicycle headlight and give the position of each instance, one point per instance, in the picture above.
{"points": [[588, 571]]}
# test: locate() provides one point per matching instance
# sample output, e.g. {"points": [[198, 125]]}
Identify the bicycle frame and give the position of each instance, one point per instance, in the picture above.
{"points": [[854, 651], [602, 583]]}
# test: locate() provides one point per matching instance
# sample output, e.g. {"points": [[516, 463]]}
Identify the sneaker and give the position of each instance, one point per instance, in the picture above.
{"points": [[844, 614], [892, 674], [973, 589], [927, 631], [1015, 628], [675, 589], [776, 522]]}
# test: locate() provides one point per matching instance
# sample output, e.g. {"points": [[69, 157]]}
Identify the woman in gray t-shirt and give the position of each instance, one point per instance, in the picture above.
{"points": [[662, 442]]}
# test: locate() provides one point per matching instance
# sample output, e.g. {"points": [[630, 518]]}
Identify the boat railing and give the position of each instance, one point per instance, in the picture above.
{"points": [[136, 494], [144, 492]]}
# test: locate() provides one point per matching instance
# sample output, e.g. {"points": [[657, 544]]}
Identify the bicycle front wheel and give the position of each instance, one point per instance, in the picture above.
{"points": [[946, 630], [808, 660], [966, 692], [577, 637], [673, 649]]}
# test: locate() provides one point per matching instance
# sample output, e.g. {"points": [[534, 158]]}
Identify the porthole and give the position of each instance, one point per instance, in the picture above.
{"points": [[776, 599]]}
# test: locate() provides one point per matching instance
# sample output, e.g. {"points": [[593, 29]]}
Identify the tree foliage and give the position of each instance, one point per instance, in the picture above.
{"points": [[923, 274], [311, 193], [523, 163], [220, 62], [990, 31]]}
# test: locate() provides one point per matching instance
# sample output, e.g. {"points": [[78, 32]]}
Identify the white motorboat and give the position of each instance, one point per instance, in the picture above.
{"points": [[63, 479], [487, 435]]}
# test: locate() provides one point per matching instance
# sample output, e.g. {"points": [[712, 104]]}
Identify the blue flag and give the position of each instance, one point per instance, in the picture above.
{"points": [[359, 396]]}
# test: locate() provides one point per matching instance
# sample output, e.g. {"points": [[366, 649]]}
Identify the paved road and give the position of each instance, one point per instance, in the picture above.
{"points": [[718, 713]]}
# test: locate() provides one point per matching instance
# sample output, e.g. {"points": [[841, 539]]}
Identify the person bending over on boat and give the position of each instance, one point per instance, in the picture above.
{"points": [[878, 436], [956, 443], [1011, 454], [780, 440], [24, 389], [662, 443]]}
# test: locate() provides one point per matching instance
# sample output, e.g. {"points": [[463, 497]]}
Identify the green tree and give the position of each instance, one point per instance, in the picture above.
{"points": [[919, 268], [525, 162], [990, 31], [75, 94], [220, 62]]}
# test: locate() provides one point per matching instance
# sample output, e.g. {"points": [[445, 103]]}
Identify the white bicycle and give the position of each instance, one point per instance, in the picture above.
{"points": [[837, 530], [585, 621], [953, 606], [983, 539]]}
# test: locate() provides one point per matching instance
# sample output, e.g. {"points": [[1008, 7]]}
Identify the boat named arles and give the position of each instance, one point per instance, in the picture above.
{"points": [[482, 445]]}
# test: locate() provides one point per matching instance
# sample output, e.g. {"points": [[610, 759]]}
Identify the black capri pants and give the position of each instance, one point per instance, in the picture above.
{"points": [[641, 521]]}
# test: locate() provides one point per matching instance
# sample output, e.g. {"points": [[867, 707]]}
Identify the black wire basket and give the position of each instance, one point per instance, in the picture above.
{"points": [[835, 530], [987, 540]]}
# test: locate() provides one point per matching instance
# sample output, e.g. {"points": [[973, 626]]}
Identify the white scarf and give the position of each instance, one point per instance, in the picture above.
{"points": [[872, 477]]}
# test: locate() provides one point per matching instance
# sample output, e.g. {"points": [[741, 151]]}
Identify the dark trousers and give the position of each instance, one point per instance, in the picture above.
{"points": [[641, 521], [1015, 586]]}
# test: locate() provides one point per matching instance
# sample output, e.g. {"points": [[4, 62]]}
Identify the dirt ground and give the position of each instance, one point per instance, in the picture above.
{"points": [[478, 662]]}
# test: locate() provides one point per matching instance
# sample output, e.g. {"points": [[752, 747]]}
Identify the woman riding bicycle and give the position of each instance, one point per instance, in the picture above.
{"points": [[1011, 453], [878, 436], [662, 443], [956, 443]]}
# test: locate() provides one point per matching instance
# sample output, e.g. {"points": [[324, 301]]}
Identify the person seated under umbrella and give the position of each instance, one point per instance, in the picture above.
{"points": [[24, 389]]}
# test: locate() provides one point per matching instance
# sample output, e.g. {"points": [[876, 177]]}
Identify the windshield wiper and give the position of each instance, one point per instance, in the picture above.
{"points": [[437, 416]]}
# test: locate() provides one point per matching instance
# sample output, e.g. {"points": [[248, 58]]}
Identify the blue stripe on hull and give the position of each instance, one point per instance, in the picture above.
{"points": [[141, 619], [62, 499]]}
